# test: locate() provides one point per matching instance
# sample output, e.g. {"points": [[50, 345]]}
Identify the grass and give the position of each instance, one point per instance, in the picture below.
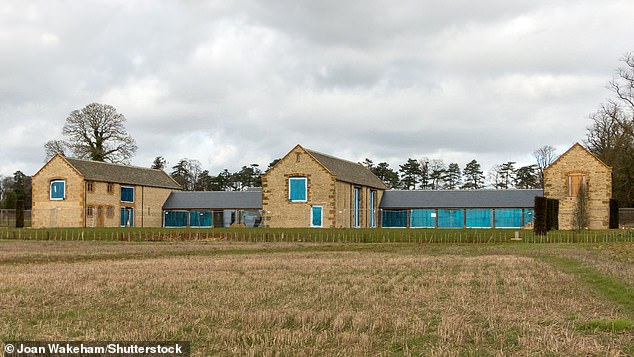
{"points": [[324, 299]]}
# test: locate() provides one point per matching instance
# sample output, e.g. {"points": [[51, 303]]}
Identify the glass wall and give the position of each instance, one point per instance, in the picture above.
{"points": [[508, 217], [200, 218], [423, 218], [174, 219], [394, 218], [451, 218], [479, 218]]}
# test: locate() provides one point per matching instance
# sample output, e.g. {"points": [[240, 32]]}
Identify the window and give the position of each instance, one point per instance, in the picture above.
{"points": [[356, 211], [109, 211], [175, 219], [575, 182], [90, 186], [90, 211], [479, 217], [200, 218], [316, 216], [127, 217], [372, 210], [58, 190], [297, 189], [423, 218], [110, 188], [450, 218], [508, 217], [127, 194], [394, 219]]}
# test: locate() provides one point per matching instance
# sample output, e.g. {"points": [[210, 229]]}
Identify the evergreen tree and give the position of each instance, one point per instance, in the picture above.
{"points": [[159, 163], [473, 176], [527, 177], [410, 172], [452, 176], [424, 174], [386, 174]]}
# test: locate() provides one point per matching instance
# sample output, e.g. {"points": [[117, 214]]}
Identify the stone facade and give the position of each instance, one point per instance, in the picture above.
{"points": [[90, 202], [564, 177], [324, 188]]}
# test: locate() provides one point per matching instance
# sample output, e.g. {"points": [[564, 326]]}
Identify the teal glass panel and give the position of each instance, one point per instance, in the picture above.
{"points": [[58, 190], [423, 218], [127, 217], [372, 210], [450, 218], [316, 216], [176, 218], [479, 218], [127, 194], [394, 219], [357, 207], [199, 219], [508, 218], [297, 189]]}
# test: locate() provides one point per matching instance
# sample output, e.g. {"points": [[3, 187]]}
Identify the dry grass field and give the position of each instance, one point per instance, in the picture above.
{"points": [[324, 299]]}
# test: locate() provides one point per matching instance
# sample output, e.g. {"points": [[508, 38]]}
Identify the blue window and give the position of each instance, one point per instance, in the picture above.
{"points": [[316, 216], [127, 217], [175, 218], [356, 212], [58, 190], [508, 217], [394, 219], [450, 218], [297, 189], [372, 210], [200, 218], [479, 218], [423, 218], [127, 194]]}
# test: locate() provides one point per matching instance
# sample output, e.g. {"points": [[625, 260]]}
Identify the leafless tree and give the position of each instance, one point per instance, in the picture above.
{"points": [[580, 214], [53, 147], [97, 132], [544, 156]]}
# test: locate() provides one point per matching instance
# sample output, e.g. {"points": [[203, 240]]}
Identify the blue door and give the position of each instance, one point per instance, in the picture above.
{"points": [[127, 217], [316, 216]]}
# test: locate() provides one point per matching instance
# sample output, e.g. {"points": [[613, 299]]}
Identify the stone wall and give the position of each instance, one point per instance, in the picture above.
{"points": [[278, 211], [577, 161]]}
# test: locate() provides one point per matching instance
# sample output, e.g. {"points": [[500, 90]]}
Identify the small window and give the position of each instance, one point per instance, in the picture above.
{"points": [[127, 194], [90, 211], [110, 212], [58, 190], [297, 189], [110, 188], [575, 182], [90, 186], [316, 216]]}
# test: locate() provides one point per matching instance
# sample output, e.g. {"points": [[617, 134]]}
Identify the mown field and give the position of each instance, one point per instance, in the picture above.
{"points": [[303, 298]]}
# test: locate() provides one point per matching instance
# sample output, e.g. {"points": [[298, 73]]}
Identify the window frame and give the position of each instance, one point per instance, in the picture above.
{"points": [[321, 216], [90, 186], [582, 180], [50, 190], [290, 188], [110, 188], [121, 196]]}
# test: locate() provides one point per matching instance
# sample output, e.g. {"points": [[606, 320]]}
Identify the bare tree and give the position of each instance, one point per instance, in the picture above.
{"points": [[97, 132], [53, 147], [544, 156]]}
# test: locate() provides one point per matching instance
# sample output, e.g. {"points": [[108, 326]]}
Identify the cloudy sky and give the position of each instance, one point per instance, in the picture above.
{"points": [[231, 83]]}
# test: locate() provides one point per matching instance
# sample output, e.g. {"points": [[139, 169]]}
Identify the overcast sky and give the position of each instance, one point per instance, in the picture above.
{"points": [[231, 83]]}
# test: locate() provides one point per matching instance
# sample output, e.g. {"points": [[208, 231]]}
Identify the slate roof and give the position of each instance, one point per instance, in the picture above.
{"points": [[348, 171], [122, 174], [251, 199], [402, 199]]}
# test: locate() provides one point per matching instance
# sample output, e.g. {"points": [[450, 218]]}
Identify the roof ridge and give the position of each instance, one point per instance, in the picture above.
{"points": [[114, 164], [333, 157]]}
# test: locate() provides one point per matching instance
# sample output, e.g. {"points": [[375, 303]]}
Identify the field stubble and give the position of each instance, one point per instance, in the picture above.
{"points": [[280, 300]]}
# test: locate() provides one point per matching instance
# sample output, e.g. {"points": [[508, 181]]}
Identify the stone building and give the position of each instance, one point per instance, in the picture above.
{"points": [[574, 173], [309, 189], [79, 193]]}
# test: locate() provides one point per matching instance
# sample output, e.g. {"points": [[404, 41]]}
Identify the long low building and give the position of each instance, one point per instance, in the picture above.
{"points": [[213, 209], [458, 208]]}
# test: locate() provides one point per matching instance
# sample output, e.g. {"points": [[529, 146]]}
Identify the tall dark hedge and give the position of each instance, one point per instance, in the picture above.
{"points": [[614, 214], [552, 221], [19, 214], [541, 207]]}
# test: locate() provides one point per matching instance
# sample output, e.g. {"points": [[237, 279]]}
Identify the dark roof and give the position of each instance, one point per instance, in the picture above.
{"points": [[395, 199], [251, 199], [131, 175], [348, 171]]}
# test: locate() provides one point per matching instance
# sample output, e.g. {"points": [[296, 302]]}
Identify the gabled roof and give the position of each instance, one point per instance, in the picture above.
{"points": [[122, 174], [348, 171], [403, 199], [251, 199], [575, 147]]}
